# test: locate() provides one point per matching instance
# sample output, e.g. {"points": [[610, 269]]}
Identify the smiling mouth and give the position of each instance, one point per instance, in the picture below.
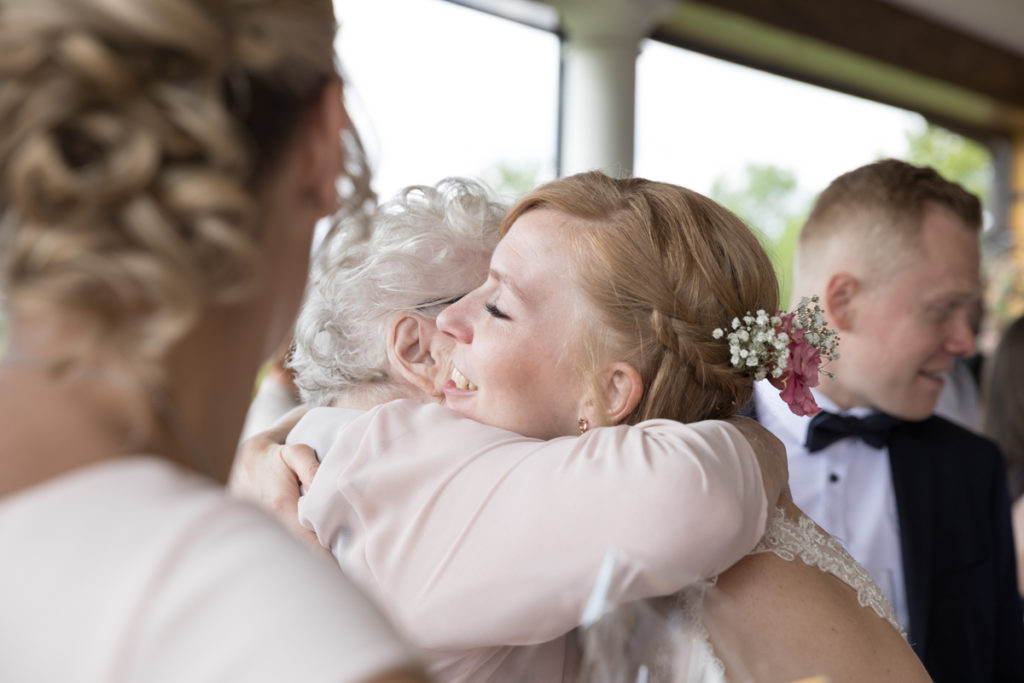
{"points": [[936, 376], [461, 382]]}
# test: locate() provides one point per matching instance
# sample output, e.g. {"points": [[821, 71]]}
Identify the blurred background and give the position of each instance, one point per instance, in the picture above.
{"points": [[476, 88], [757, 103]]}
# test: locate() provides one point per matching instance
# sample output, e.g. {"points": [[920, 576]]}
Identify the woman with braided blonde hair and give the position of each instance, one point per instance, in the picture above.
{"points": [[162, 165], [598, 318]]}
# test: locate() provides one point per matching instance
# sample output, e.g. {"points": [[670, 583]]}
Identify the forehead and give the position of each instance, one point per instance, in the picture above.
{"points": [[535, 251], [948, 260]]}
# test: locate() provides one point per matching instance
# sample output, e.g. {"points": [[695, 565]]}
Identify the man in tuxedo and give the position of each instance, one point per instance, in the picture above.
{"points": [[892, 251]]}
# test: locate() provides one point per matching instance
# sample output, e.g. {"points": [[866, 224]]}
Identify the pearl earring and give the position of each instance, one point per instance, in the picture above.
{"points": [[583, 424]]}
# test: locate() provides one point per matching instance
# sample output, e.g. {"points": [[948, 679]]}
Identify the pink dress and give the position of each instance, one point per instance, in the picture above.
{"points": [[133, 569], [425, 510]]}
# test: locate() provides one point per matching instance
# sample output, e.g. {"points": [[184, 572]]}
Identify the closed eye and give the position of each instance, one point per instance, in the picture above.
{"points": [[496, 312], [942, 312]]}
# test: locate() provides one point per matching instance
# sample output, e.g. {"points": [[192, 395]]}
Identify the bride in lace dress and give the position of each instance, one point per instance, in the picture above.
{"points": [[730, 628], [599, 310], [634, 276]]}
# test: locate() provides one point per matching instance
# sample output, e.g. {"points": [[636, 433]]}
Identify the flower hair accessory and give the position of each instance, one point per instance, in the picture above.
{"points": [[787, 349]]}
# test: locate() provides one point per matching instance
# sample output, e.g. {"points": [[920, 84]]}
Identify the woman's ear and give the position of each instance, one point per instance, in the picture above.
{"points": [[839, 299], [410, 350], [623, 388]]}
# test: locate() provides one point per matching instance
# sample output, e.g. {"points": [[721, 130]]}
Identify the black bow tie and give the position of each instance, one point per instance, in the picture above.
{"points": [[826, 428]]}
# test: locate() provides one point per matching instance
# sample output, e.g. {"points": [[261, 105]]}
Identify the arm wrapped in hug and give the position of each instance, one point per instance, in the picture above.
{"points": [[471, 536]]}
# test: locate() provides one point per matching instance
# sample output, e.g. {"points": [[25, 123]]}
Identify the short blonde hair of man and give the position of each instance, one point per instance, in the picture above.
{"points": [[870, 219]]}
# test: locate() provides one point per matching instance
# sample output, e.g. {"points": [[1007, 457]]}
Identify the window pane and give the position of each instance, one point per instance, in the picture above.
{"points": [[700, 118], [447, 90]]}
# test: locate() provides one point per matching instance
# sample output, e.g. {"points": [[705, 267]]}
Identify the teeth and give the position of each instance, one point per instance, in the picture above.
{"points": [[461, 382]]}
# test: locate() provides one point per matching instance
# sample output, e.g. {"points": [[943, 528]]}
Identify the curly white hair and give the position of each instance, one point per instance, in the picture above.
{"points": [[428, 246]]}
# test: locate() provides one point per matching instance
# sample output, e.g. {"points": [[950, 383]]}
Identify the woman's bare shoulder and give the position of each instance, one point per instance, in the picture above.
{"points": [[791, 620]]}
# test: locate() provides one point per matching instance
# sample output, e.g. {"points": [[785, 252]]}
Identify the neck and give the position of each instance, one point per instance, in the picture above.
{"points": [[210, 384], [835, 391], [56, 422]]}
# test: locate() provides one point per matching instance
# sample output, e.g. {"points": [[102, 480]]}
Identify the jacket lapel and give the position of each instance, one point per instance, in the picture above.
{"points": [[912, 480]]}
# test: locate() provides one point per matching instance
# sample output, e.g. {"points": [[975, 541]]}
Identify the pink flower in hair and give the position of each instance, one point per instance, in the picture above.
{"points": [[787, 349], [800, 373]]}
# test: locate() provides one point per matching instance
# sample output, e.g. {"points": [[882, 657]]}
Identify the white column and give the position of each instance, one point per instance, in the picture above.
{"points": [[602, 41]]}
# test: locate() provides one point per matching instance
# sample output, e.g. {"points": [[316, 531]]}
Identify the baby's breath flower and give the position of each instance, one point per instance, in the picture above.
{"points": [[763, 344]]}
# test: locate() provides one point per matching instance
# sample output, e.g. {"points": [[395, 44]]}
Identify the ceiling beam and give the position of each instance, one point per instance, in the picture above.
{"points": [[867, 48]]}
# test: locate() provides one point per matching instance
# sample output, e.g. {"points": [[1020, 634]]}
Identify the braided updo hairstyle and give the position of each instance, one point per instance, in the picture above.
{"points": [[133, 134], [663, 266]]}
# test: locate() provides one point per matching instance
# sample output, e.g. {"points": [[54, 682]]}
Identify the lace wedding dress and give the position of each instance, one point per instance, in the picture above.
{"points": [[665, 640], [804, 539]]}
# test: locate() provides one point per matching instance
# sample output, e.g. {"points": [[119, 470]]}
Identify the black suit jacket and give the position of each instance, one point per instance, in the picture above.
{"points": [[958, 556]]}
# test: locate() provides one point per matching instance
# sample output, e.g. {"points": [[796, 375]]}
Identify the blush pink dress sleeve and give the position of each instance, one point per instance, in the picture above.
{"points": [[471, 536]]}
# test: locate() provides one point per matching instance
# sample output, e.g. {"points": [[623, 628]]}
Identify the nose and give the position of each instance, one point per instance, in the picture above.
{"points": [[961, 341], [453, 321]]}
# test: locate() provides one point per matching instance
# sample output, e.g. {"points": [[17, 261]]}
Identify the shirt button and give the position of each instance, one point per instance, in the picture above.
{"points": [[833, 477]]}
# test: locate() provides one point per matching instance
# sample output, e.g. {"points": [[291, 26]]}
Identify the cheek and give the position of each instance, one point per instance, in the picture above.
{"points": [[512, 373], [921, 340], [518, 379], [444, 360]]}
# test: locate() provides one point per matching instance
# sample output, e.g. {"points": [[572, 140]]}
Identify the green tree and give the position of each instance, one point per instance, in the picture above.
{"points": [[956, 157], [512, 181], [769, 200]]}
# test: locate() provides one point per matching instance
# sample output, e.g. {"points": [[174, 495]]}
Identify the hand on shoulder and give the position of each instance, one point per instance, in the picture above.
{"points": [[771, 456], [269, 473]]}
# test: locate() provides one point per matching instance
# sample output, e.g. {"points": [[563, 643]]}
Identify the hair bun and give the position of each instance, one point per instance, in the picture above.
{"points": [[85, 163]]}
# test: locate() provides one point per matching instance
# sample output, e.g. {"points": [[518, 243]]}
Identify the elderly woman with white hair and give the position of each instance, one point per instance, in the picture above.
{"points": [[366, 331], [370, 308], [379, 283]]}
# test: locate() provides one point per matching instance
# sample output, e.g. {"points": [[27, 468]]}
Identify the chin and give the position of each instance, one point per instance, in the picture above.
{"points": [[911, 413]]}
